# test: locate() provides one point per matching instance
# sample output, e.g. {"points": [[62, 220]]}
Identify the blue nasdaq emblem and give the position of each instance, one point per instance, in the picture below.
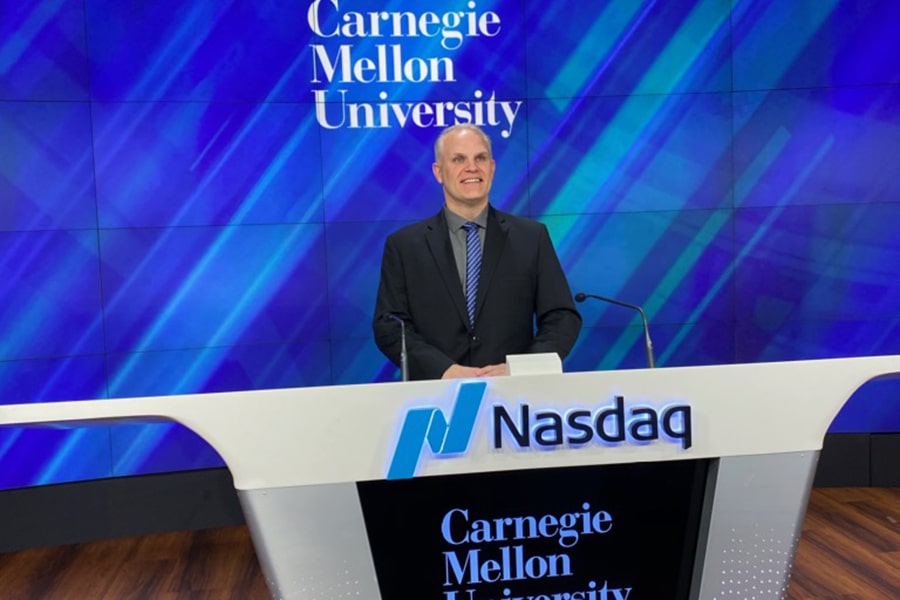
{"points": [[429, 425]]}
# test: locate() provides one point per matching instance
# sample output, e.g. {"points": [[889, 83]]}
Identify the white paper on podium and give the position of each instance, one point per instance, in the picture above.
{"points": [[545, 363]]}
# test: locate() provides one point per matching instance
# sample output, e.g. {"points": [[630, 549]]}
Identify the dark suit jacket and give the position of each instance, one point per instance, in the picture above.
{"points": [[524, 303]]}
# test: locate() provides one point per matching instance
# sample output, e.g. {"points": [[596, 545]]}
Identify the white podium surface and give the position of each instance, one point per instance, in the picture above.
{"points": [[296, 454]]}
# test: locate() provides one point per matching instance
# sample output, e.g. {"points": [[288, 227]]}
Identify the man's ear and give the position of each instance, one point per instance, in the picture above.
{"points": [[436, 169]]}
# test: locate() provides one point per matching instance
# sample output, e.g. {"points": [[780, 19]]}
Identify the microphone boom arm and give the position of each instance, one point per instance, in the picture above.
{"points": [[648, 343]]}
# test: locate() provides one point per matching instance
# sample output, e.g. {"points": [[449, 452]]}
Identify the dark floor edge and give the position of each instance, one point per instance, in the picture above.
{"points": [[119, 507]]}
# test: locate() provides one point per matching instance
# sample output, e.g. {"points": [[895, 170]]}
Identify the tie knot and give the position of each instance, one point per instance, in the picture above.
{"points": [[469, 226]]}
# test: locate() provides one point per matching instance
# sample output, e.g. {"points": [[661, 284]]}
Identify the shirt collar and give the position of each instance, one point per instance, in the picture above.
{"points": [[455, 222]]}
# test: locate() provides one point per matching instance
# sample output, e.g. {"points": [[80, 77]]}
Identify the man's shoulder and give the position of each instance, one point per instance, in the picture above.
{"points": [[415, 230], [517, 222]]}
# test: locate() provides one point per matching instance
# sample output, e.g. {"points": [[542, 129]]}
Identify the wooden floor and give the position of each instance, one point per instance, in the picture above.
{"points": [[850, 550]]}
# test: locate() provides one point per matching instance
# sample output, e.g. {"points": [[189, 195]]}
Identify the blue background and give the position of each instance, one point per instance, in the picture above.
{"points": [[173, 219]]}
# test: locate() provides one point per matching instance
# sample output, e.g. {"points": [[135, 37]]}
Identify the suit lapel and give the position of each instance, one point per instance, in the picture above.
{"points": [[437, 237], [494, 242]]}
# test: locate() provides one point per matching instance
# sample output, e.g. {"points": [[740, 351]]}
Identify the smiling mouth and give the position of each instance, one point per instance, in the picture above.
{"points": [[472, 180]]}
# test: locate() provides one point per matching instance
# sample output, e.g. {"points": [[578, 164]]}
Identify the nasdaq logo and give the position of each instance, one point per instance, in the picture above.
{"points": [[430, 425], [528, 429]]}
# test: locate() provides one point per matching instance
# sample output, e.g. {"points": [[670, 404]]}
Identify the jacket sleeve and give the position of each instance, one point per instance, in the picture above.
{"points": [[425, 360], [558, 322]]}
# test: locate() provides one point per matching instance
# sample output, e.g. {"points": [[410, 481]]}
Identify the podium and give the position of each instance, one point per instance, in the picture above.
{"points": [[687, 482]]}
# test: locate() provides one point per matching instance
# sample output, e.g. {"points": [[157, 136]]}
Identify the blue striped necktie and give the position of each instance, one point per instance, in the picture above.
{"points": [[473, 267]]}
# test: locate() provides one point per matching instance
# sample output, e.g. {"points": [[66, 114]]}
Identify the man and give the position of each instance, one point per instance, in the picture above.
{"points": [[506, 265]]}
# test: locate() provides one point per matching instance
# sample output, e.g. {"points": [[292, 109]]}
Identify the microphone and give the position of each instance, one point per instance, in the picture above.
{"points": [[648, 345], [404, 360]]}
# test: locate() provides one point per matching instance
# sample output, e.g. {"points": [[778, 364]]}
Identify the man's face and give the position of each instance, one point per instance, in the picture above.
{"points": [[465, 170]]}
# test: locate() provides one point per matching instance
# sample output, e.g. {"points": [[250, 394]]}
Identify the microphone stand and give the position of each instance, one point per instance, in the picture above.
{"points": [[404, 360]]}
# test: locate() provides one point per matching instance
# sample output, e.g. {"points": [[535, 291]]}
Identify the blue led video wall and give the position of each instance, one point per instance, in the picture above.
{"points": [[194, 193]]}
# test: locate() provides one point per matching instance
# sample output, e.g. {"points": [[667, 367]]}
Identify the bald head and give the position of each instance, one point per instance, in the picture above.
{"points": [[439, 143]]}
